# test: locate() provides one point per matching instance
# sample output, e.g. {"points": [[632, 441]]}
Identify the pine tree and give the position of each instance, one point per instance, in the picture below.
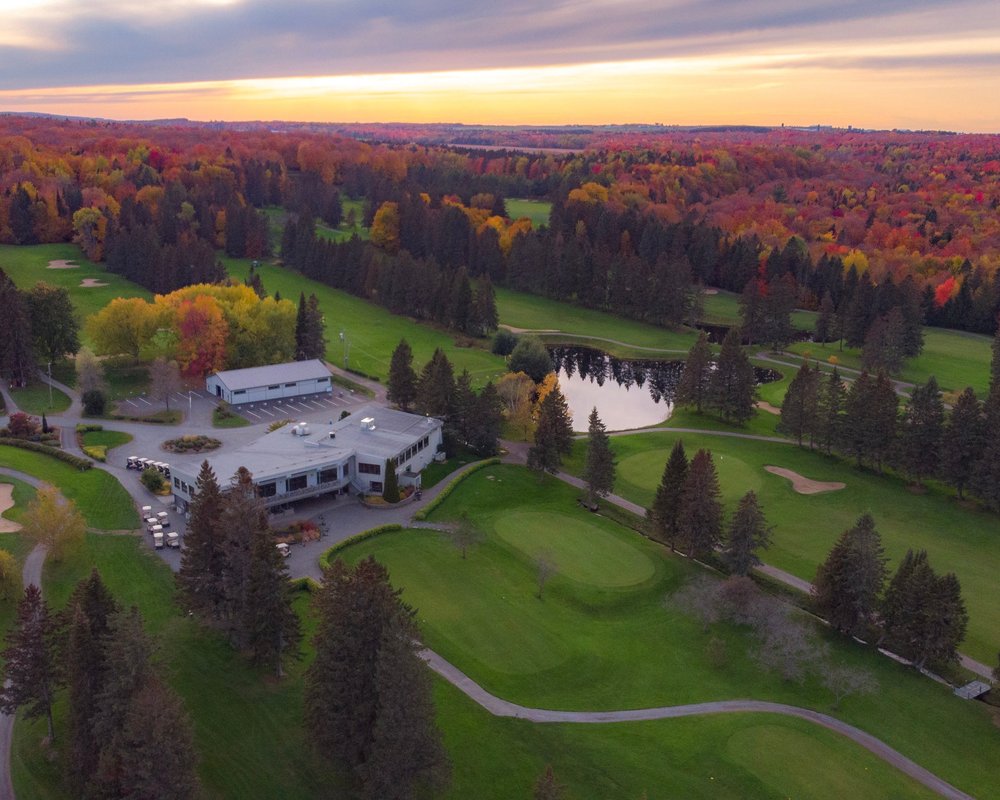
{"points": [[799, 409], [778, 305], [486, 422], [995, 363], [243, 516], [461, 414], [732, 387], [830, 412], [484, 318], [885, 343], [402, 382], [547, 787], [692, 389], [270, 623], [390, 488], [665, 513], [963, 441], [314, 342], [752, 309], [883, 419], [17, 362], [825, 323], [436, 386], [848, 585], [31, 673], [202, 560], [599, 468], [986, 477], [748, 533], [921, 432], [553, 434], [701, 508]]}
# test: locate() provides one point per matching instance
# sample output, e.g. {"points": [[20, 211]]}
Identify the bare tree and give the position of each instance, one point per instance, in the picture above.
{"points": [[89, 372], [164, 380], [545, 567], [465, 535], [788, 647], [843, 681], [699, 599]]}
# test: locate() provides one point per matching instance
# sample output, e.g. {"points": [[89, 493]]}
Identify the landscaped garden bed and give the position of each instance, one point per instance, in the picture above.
{"points": [[192, 443]]}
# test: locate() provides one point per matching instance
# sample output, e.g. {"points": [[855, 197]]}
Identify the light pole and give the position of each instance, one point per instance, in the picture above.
{"points": [[50, 384], [347, 346]]}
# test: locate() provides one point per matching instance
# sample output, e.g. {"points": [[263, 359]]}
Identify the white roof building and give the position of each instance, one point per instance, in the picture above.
{"points": [[272, 382]]}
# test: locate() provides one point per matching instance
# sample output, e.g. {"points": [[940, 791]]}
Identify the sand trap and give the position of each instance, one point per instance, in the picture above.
{"points": [[7, 501], [91, 283], [805, 485], [763, 405], [62, 263], [710, 291]]}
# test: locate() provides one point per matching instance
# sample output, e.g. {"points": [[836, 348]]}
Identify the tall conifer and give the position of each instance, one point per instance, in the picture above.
{"points": [[665, 513]]}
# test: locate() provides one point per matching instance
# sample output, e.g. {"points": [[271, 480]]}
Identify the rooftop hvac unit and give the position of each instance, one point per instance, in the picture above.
{"points": [[294, 430], [303, 429], [368, 424]]}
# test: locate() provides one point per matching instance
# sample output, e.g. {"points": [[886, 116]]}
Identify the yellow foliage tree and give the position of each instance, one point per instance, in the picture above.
{"points": [[10, 576], [54, 522], [385, 227], [125, 325], [549, 382]]}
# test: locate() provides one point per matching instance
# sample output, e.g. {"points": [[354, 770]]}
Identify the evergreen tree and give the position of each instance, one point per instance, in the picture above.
{"points": [[484, 317], [390, 488], [665, 513], [848, 585], [203, 556], [402, 383], [436, 386], [752, 319], [30, 672], [963, 441], [830, 412], [599, 468], [825, 322], [921, 431], [692, 389], [995, 363], [486, 422], [885, 343], [553, 434], [779, 303], [270, 623], [799, 409], [17, 362], [461, 415], [732, 387], [310, 338], [748, 533], [883, 419], [986, 476], [243, 517], [700, 525]]}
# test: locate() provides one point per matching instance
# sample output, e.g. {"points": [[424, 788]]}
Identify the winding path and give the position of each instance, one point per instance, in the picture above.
{"points": [[502, 708]]}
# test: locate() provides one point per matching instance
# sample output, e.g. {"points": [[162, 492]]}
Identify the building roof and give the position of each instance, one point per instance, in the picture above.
{"points": [[282, 452], [253, 377]]}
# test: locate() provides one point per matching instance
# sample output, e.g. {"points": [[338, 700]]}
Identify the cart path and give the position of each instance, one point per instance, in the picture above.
{"points": [[503, 708], [556, 332]]}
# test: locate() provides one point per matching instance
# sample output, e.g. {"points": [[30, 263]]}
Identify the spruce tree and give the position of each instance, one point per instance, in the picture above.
{"points": [[700, 527], [830, 412], [995, 363], [883, 419], [31, 673], [599, 468], [732, 387], [963, 441], [986, 477], [921, 432], [484, 318], [825, 323], [752, 310], [848, 585], [17, 362], [202, 559], [748, 533], [799, 409], [692, 389], [402, 382], [300, 329], [461, 416], [315, 330], [243, 516], [436, 386], [553, 434], [486, 422], [390, 486], [664, 515], [856, 428], [779, 303]]}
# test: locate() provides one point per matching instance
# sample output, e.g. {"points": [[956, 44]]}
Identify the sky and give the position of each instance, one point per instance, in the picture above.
{"points": [[919, 64]]}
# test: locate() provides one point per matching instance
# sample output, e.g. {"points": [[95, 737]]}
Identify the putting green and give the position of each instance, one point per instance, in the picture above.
{"points": [[581, 551], [645, 469]]}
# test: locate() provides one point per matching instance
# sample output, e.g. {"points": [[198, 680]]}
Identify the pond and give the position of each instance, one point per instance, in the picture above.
{"points": [[628, 393]]}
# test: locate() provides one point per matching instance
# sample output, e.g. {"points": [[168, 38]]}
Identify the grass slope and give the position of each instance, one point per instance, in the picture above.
{"points": [[536, 210], [957, 539], [588, 646], [102, 500], [34, 399]]}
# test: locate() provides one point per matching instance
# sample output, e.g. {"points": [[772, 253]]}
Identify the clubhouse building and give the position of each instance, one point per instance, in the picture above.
{"points": [[273, 382], [306, 460]]}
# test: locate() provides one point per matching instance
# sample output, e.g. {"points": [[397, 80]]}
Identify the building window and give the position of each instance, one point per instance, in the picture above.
{"points": [[276, 386], [240, 391], [328, 475], [370, 469], [297, 482], [347, 470], [376, 486], [290, 385], [177, 483], [322, 380], [267, 489]]}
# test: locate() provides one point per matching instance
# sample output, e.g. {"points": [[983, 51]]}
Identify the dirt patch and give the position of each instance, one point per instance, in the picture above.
{"points": [[7, 501], [62, 263], [91, 283], [763, 405], [804, 485]]}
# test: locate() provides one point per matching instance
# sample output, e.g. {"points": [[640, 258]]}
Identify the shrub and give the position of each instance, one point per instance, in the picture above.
{"points": [[152, 480], [37, 447], [344, 414], [191, 444], [94, 403], [98, 452], [21, 426], [503, 343], [83, 427], [278, 423]]}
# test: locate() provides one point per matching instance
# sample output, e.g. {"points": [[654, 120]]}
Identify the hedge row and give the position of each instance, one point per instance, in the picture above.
{"points": [[83, 427], [98, 452], [423, 513], [80, 463], [305, 584], [324, 559]]}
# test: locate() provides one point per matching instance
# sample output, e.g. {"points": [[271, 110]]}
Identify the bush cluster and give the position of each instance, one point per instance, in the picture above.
{"points": [[153, 480], [38, 447], [192, 443], [98, 452]]}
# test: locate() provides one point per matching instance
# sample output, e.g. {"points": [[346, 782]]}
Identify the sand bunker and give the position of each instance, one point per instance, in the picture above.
{"points": [[91, 283], [62, 263], [763, 405], [804, 485], [710, 291], [7, 501]]}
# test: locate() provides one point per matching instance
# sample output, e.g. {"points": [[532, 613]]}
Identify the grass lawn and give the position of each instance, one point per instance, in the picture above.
{"points": [[228, 419], [276, 216], [609, 642], [19, 546], [34, 399], [372, 331], [435, 472], [959, 540], [723, 308], [535, 210], [22, 494], [27, 265], [109, 439], [98, 495]]}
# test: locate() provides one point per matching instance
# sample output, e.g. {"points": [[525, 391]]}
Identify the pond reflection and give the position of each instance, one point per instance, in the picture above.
{"points": [[628, 393]]}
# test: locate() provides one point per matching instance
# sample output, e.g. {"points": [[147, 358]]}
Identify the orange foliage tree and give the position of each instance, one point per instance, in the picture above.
{"points": [[202, 332]]}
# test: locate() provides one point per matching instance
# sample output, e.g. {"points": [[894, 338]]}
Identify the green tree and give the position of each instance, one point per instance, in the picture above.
{"points": [[848, 585], [599, 468], [921, 432], [402, 383], [830, 412], [986, 477], [553, 434], [54, 324], [732, 389], [484, 318], [10, 576], [963, 441], [310, 336], [752, 310], [885, 343], [486, 422], [692, 389], [202, 559], [390, 487], [17, 362], [800, 407], [436, 386], [30, 673], [664, 514], [748, 533], [779, 303], [825, 322], [55, 522], [243, 516], [530, 357], [701, 507]]}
